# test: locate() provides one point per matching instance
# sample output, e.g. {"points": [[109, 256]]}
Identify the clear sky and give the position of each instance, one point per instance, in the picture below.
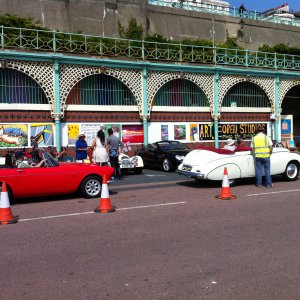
{"points": [[262, 5]]}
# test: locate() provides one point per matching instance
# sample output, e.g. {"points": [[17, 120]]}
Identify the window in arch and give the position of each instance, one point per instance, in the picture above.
{"points": [[180, 92], [17, 87], [246, 94], [100, 89]]}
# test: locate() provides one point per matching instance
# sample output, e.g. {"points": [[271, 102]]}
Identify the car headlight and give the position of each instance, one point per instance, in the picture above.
{"points": [[134, 161], [178, 157]]}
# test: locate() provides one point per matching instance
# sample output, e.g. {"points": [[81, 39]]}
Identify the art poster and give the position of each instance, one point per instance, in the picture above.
{"points": [[194, 133], [179, 132], [13, 135], [237, 130], [43, 133], [115, 127], [132, 134], [286, 129], [164, 132], [73, 132], [206, 132], [90, 131]]}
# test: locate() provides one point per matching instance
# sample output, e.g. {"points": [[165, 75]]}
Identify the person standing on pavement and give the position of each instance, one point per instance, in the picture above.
{"points": [[114, 145], [100, 155], [81, 148], [262, 148]]}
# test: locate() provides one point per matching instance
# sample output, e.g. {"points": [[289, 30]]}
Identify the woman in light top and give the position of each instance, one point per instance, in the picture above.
{"points": [[100, 155]]}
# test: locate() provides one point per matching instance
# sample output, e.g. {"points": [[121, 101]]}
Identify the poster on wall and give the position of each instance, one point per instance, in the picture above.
{"points": [[132, 134], [73, 132], [179, 132], [206, 132], [229, 131], [115, 127], [164, 129], [286, 128], [90, 131], [194, 134], [237, 130], [13, 135], [43, 133]]}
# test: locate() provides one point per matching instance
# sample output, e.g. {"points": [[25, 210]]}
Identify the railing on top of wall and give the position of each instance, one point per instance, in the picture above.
{"points": [[62, 42], [283, 18]]}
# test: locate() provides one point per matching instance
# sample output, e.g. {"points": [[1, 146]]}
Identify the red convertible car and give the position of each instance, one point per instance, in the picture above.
{"points": [[55, 179]]}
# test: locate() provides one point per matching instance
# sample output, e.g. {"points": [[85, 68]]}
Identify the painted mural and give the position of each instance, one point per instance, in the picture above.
{"points": [[13, 135], [43, 133]]}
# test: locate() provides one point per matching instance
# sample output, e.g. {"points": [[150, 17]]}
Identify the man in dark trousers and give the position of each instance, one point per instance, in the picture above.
{"points": [[114, 145]]}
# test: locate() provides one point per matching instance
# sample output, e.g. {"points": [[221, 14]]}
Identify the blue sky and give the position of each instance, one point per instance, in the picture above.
{"points": [[261, 5]]}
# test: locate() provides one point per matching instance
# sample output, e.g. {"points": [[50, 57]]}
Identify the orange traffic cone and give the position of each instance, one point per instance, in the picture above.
{"points": [[225, 191], [6, 216], [105, 206]]}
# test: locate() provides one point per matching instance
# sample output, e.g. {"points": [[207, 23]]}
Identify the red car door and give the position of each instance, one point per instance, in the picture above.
{"points": [[44, 181]]}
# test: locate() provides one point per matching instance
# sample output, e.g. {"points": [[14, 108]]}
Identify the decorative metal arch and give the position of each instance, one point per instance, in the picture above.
{"points": [[285, 84], [42, 73], [156, 80], [228, 81], [71, 74]]}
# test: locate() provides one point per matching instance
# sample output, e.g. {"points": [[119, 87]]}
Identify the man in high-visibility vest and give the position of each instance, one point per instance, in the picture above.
{"points": [[262, 147]]}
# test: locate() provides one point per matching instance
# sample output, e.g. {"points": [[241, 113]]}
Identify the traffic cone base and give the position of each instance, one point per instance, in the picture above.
{"points": [[6, 216], [12, 220], [225, 191], [105, 205]]}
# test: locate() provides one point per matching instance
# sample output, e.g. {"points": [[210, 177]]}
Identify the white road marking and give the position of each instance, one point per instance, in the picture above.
{"points": [[270, 193], [150, 175], [91, 212]]}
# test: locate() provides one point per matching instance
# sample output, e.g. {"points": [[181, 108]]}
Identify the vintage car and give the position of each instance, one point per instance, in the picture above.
{"points": [[134, 163], [208, 164], [54, 179], [164, 154]]}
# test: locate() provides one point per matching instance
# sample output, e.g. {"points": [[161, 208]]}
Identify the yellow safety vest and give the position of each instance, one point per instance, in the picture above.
{"points": [[261, 146]]}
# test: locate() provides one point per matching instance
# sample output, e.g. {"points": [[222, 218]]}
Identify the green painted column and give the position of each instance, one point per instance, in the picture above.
{"points": [[277, 110], [145, 105], [216, 108], [57, 109]]}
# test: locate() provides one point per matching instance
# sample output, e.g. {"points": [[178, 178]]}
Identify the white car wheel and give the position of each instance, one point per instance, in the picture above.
{"points": [[292, 171]]}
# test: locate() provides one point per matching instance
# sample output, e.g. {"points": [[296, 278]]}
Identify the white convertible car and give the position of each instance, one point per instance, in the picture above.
{"points": [[209, 165], [134, 163]]}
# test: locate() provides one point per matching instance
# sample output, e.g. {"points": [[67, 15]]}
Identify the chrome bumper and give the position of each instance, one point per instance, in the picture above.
{"points": [[190, 174]]}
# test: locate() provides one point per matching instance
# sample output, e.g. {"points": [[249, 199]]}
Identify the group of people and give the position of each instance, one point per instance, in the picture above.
{"points": [[105, 150], [261, 147]]}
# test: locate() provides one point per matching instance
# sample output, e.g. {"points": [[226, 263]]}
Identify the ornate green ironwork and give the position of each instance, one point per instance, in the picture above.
{"points": [[60, 42]]}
